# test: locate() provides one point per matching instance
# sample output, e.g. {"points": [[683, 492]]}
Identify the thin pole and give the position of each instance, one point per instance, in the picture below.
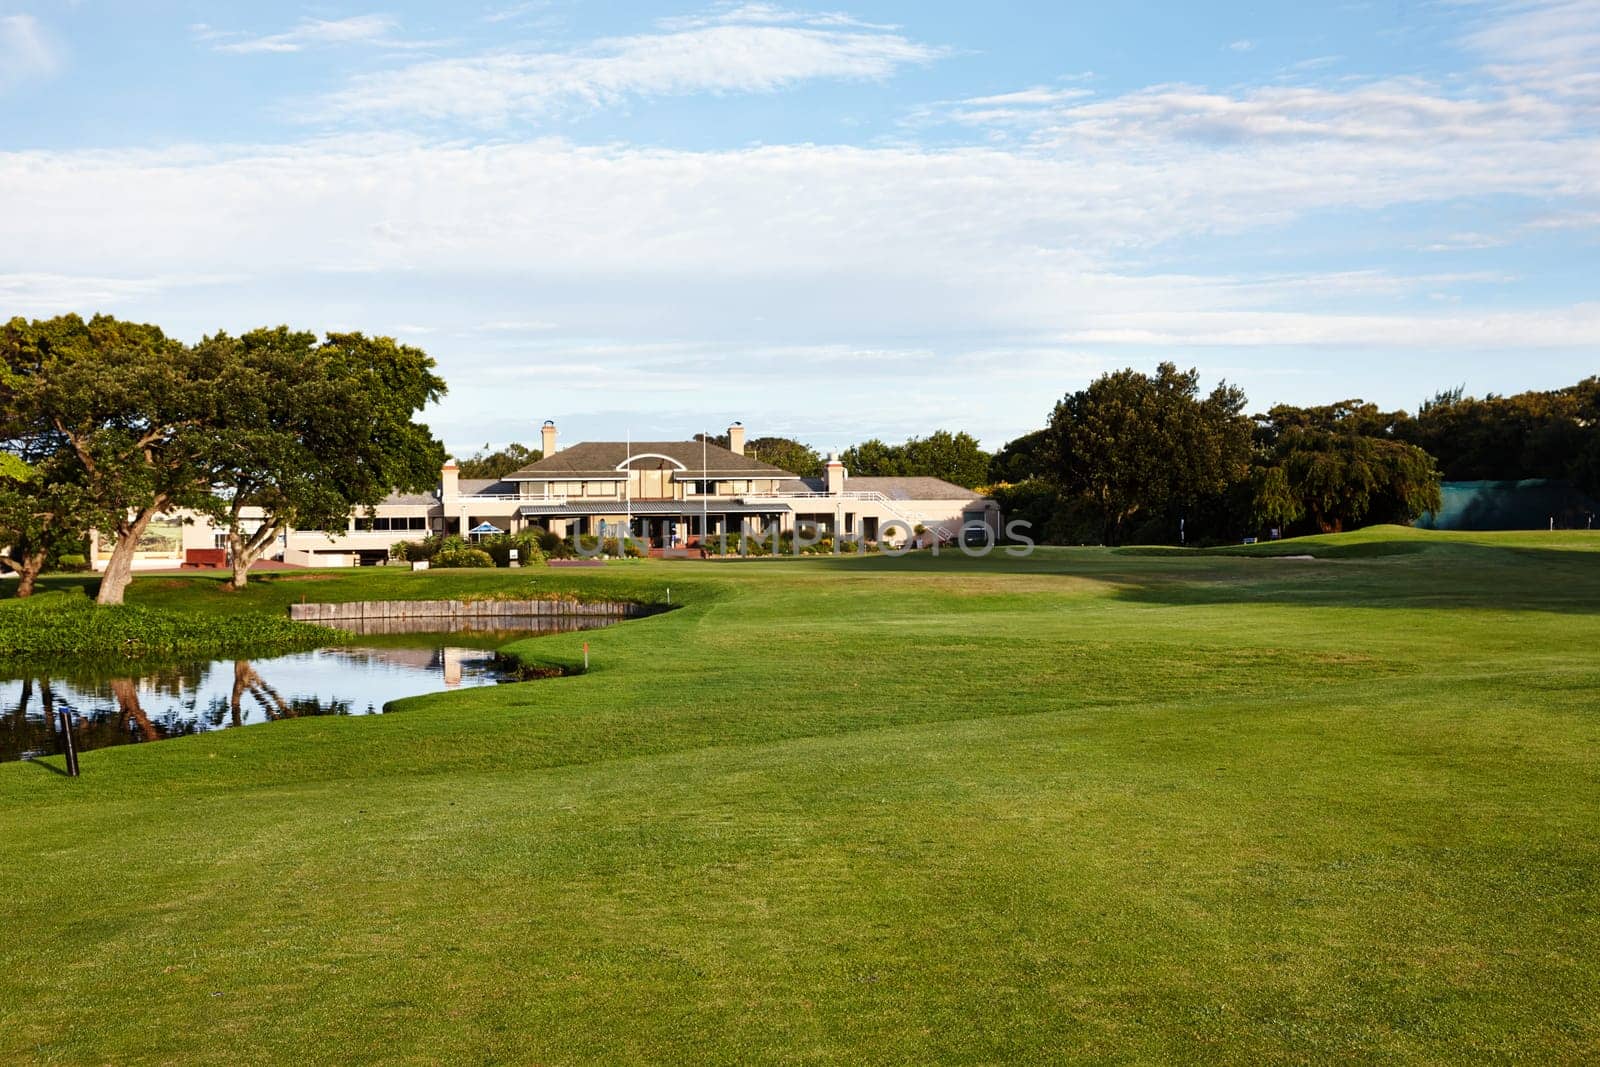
{"points": [[705, 502], [69, 745], [627, 492]]}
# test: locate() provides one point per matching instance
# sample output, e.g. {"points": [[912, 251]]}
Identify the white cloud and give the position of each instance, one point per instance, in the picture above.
{"points": [[26, 52], [1553, 45], [726, 13], [742, 57], [310, 33], [1242, 45]]}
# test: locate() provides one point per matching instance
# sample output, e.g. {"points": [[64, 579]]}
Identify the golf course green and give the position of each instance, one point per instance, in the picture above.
{"points": [[1113, 806]]}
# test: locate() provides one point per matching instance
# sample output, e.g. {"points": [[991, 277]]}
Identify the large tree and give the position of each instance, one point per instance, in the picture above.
{"points": [[127, 405], [310, 432], [495, 463], [1133, 444], [1340, 466]]}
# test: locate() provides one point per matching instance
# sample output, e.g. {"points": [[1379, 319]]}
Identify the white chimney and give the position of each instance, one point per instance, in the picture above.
{"points": [[836, 474], [736, 438], [548, 432], [449, 481]]}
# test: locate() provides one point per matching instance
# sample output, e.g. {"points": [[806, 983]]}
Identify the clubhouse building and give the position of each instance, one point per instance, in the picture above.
{"points": [[668, 494]]}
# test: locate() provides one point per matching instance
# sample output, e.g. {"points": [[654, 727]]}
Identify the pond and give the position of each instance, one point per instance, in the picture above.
{"points": [[121, 704]]}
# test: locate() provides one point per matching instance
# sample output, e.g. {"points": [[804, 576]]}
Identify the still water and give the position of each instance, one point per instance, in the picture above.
{"points": [[121, 704]]}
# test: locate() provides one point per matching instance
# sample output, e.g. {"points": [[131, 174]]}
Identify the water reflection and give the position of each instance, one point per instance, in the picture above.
{"points": [[117, 705]]}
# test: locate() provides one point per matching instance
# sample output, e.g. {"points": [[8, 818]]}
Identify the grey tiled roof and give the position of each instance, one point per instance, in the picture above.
{"points": [[599, 459], [487, 487], [911, 488], [410, 499]]}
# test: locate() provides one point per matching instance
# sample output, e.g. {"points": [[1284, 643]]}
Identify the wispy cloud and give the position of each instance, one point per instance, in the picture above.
{"points": [[743, 51], [1551, 45], [310, 33], [1242, 45], [26, 52]]}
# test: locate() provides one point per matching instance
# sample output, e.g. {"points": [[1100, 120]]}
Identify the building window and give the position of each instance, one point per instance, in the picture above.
{"points": [[401, 523]]}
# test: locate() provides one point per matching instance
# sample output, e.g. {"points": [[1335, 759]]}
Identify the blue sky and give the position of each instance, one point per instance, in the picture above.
{"points": [[836, 222]]}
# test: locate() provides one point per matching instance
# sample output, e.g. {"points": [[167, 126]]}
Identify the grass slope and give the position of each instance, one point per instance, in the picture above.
{"points": [[1087, 805]]}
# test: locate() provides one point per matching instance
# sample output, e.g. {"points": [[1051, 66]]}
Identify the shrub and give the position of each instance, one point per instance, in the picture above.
{"points": [[550, 544], [526, 543], [73, 562], [412, 551], [462, 557]]}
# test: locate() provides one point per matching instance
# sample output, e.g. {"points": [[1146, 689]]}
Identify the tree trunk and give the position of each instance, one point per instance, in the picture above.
{"points": [[119, 569], [241, 681], [28, 570], [127, 695], [243, 551]]}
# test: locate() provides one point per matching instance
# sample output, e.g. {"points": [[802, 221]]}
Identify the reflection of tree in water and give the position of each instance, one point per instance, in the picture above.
{"points": [[248, 683]]}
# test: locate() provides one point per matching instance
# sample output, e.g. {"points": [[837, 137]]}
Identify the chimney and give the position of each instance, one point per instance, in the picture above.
{"points": [[548, 432], [449, 481], [736, 438], [836, 474]]}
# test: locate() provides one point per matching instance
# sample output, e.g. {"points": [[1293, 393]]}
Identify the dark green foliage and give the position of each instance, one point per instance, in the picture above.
{"points": [[1132, 443], [1339, 467], [69, 624], [1022, 460], [462, 557], [119, 412], [526, 542], [308, 431], [955, 457], [1554, 435], [787, 453], [497, 463]]}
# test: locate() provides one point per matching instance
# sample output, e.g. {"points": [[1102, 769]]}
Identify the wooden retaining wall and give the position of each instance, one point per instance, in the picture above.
{"points": [[479, 610]]}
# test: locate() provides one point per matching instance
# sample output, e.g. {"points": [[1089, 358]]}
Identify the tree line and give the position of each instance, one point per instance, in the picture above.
{"points": [[1149, 458], [106, 424]]}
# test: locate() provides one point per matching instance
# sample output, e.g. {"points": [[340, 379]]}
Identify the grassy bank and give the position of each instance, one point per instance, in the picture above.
{"points": [[1087, 805], [66, 623]]}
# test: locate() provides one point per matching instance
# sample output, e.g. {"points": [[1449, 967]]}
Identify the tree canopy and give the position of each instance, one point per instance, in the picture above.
{"points": [[1339, 466], [310, 431], [490, 462], [1133, 443], [955, 457], [123, 423], [1553, 434]]}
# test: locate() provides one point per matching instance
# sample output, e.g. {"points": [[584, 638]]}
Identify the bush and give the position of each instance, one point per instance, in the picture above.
{"points": [[462, 557], [73, 562], [526, 544], [551, 544], [415, 551]]}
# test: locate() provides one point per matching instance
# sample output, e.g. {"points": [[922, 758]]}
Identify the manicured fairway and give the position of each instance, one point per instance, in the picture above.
{"points": [[1085, 806]]}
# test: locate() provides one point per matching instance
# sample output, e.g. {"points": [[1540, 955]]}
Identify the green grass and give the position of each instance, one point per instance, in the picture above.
{"points": [[65, 623], [1085, 806]]}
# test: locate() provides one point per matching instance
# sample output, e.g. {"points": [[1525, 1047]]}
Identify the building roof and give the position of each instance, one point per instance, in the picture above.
{"points": [[410, 499], [487, 487], [601, 459], [911, 488]]}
